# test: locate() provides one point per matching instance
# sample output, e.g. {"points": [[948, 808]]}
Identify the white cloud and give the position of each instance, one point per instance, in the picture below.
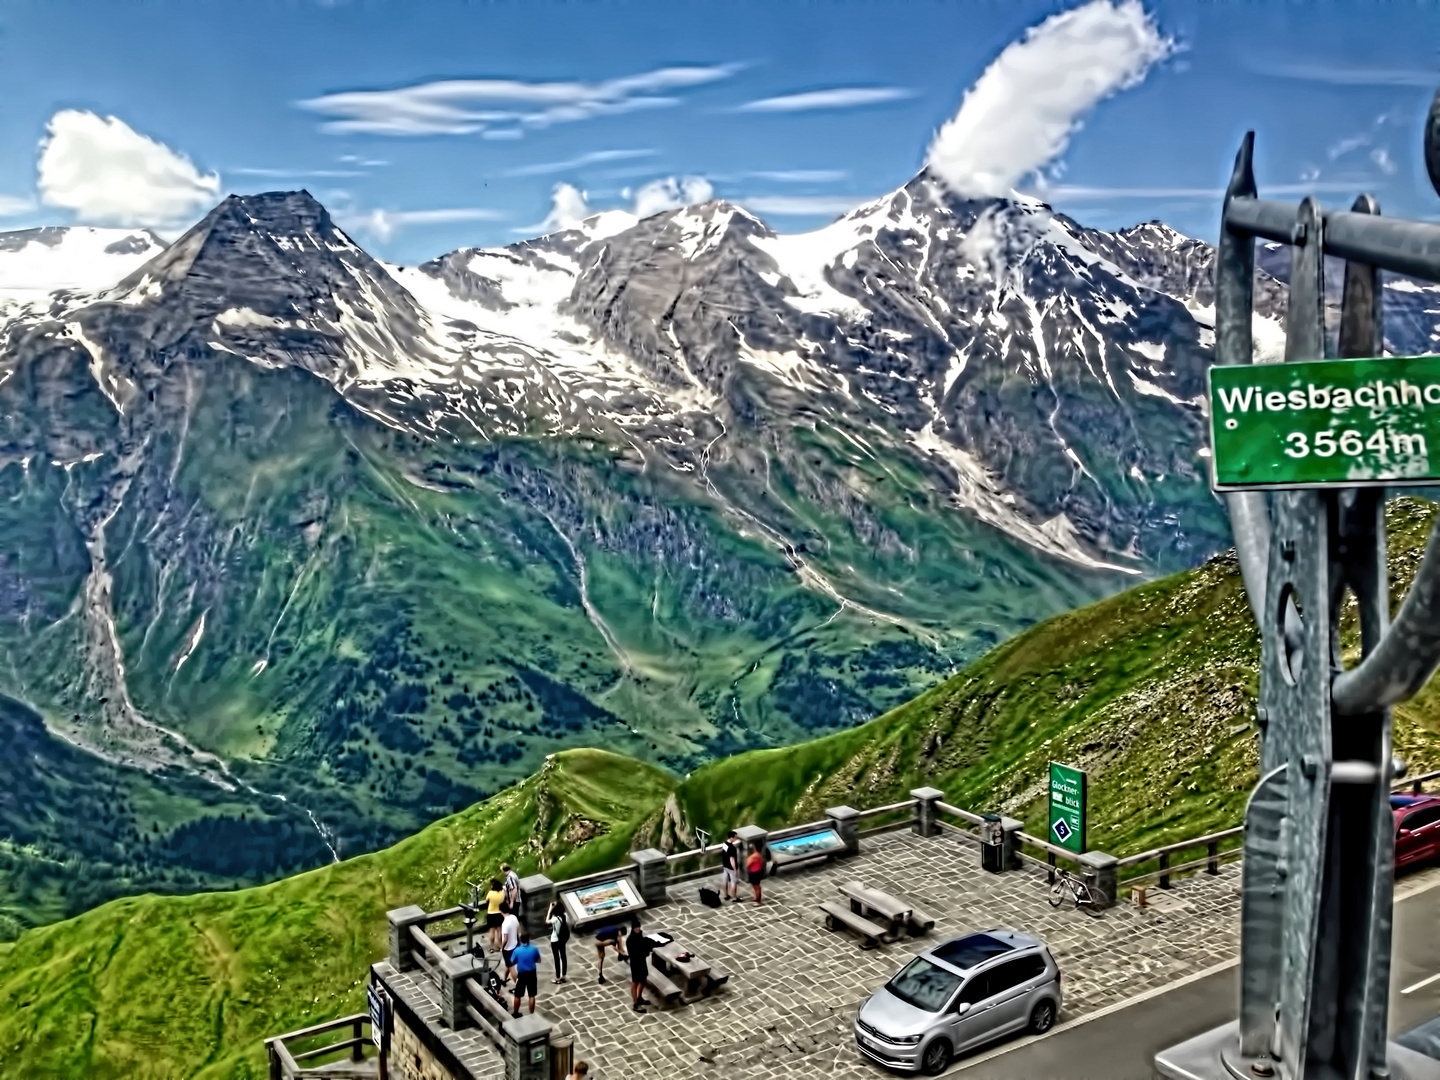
{"points": [[568, 207], [1022, 111], [15, 205], [1381, 157], [110, 174], [467, 106], [592, 158], [671, 194], [840, 97], [383, 224], [800, 205]]}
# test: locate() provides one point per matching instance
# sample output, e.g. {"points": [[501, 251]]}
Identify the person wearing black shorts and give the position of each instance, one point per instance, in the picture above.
{"points": [[526, 961], [639, 952]]}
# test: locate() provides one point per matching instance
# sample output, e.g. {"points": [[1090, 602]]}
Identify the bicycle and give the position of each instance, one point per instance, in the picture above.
{"points": [[1079, 892]]}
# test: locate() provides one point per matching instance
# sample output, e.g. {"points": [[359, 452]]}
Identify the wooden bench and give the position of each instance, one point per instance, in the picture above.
{"points": [[718, 977], [663, 985], [838, 915]]}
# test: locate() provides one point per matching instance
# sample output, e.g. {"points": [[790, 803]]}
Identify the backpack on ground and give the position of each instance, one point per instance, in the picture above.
{"points": [[709, 897]]}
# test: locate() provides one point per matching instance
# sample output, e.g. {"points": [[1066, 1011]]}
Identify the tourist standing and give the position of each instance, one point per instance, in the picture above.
{"points": [[640, 948], [494, 901], [512, 887], [608, 936], [559, 940], [755, 869], [526, 959], [730, 866], [509, 942]]}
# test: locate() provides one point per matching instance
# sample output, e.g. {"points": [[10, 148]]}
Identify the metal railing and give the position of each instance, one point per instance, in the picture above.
{"points": [[905, 806], [1211, 861], [286, 1063]]}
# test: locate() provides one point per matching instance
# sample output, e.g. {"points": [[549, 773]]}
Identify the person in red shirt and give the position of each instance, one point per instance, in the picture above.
{"points": [[755, 869]]}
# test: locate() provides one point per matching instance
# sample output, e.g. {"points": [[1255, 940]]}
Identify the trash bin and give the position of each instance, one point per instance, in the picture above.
{"points": [[562, 1053], [992, 844]]}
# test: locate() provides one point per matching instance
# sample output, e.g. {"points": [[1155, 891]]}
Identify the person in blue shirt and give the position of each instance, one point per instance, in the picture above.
{"points": [[526, 962]]}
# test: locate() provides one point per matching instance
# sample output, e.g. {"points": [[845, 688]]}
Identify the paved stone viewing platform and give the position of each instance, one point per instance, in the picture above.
{"points": [[795, 986]]}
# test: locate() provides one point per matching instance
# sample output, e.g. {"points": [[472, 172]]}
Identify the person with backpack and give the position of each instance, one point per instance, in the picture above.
{"points": [[755, 869], [730, 866], [559, 939], [512, 887]]}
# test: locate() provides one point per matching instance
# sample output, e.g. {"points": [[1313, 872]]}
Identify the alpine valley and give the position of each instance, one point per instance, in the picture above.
{"points": [[300, 551]]}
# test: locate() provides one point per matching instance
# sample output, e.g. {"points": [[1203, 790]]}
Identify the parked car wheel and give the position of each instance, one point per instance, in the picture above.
{"points": [[937, 1057], [1042, 1017]]}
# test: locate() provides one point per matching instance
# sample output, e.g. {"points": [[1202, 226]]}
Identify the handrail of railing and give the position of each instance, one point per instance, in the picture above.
{"points": [[876, 811], [1414, 782], [955, 811], [1179, 845], [426, 942], [1405, 247], [1163, 874], [692, 853], [1045, 845], [596, 876], [498, 1013], [289, 1061]]}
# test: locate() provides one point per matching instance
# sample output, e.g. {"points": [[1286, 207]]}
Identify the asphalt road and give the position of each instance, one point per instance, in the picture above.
{"points": [[1121, 1045]]}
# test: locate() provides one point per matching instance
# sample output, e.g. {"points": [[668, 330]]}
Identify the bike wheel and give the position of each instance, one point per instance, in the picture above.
{"points": [[1057, 894], [1091, 908]]}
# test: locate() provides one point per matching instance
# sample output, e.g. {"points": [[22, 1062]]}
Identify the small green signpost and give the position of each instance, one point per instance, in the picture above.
{"points": [[1067, 807], [1351, 423]]}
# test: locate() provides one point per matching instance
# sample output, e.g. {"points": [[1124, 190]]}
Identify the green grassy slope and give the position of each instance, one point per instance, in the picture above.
{"points": [[1152, 691], [188, 987]]}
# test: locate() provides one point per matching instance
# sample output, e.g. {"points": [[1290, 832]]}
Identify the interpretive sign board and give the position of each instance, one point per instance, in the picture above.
{"points": [[1350, 423], [379, 1003], [1067, 807], [806, 846], [604, 900]]}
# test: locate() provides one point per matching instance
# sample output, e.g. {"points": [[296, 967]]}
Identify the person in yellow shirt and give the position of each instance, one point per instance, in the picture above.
{"points": [[494, 900]]}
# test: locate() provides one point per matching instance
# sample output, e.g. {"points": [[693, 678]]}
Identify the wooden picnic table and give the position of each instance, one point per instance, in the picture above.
{"points": [[694, 971], [873, 902]]}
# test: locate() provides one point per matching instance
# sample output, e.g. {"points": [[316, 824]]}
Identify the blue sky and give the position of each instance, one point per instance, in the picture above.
{"points": [[611, 96]]}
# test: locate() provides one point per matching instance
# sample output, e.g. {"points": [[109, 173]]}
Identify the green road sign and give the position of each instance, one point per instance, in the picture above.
{"points": [[1345, 422], [1067, 807]]}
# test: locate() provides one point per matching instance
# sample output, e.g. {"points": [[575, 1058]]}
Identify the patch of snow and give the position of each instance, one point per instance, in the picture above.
{"points": [[78, 261]]}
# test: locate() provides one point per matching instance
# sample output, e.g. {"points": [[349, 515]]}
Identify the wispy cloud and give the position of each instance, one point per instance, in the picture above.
{"points": [[1342, 75], [671, 193], [362, 162], [1078, 192], [799, 176], [801, 205], [1023, 110], [840, 97], [468, 106], [546, 168], [296, 174], [15, 205], [384, 224], [1345, 146]]}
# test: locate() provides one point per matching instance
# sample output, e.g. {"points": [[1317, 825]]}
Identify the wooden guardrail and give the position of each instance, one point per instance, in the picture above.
{"points": [[285, 1063]]}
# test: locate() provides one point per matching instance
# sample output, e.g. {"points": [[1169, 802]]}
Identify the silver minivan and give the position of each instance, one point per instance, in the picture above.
{"points": [[960, 994]]}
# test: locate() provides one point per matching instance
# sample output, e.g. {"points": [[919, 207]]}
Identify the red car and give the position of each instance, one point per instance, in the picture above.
{"points": [[1417, 829]]}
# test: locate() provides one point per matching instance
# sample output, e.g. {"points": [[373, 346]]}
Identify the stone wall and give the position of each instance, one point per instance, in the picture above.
{"points": [[411, 1059]]}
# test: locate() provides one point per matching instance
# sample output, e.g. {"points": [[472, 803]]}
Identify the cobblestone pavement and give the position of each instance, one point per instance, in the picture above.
{"points": [[794, 986]]}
